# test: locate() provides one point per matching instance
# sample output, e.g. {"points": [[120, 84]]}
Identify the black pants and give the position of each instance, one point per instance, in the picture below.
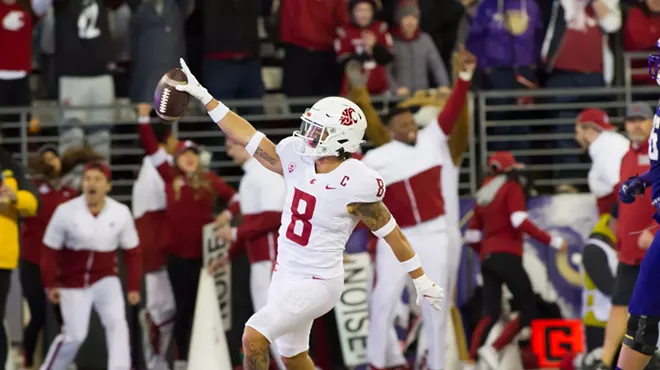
{"points": [[33, 291], [184, 277], [13, 93], [5, 282], [504, 268]]}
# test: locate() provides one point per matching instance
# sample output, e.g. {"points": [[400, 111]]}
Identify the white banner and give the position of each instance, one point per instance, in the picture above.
{"points": [[208, 343], [213, 248], [352, 311]]}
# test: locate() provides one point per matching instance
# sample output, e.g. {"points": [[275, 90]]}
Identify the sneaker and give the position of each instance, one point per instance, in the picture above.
{"points": [[490, 356]]}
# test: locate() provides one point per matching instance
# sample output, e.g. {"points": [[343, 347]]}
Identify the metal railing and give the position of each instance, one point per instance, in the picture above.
{"points": [[531, 131], [277, 121]]}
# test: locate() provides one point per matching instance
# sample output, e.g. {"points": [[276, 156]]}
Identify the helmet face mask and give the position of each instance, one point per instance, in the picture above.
{"points": [[654, 64], [332, 126]]}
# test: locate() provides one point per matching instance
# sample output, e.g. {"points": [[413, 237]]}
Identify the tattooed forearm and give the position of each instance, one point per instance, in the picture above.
{"points": [[260, 153], [374, 215], [257, 359]]}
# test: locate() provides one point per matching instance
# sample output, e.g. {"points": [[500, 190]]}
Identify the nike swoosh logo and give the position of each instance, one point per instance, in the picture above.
{"points": [[328, 187]]}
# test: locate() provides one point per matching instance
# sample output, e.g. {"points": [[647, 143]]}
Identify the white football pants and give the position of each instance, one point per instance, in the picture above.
{"points": [[383, 350], [107, 299], [260, 274]]}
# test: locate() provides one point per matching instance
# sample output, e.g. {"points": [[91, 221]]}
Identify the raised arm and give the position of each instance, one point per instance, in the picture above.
{"points": [[378, 218], [450, 112], [155, 153], [358, 94], [233, 125]]}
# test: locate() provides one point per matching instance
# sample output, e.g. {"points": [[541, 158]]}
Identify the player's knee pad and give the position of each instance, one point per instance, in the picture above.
{"points": [[642, 333]]}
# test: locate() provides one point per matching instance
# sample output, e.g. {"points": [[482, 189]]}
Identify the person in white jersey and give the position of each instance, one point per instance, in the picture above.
{"points": [[148, 203], [328, 193], [80, 272], [261, 193], [412, 166]]}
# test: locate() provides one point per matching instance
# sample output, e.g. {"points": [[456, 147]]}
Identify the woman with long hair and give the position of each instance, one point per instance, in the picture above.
{"points": [[191, 195], [47, 169]]}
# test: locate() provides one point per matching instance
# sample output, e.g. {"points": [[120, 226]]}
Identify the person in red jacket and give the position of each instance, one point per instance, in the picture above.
{"points": [[635, 227], [46, 170], [190, 196], [368, 41], [18, 21], [496, 231], [307, 31], [641, 31]]}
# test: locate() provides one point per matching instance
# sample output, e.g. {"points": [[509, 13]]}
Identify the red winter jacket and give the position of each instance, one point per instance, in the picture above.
{"points": [[311, 24], [349, 43]]}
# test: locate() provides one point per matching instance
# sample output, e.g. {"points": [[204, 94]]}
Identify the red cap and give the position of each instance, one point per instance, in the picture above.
{"points": [[595, 118], [503, 161], [101, 166], [182, 146]]}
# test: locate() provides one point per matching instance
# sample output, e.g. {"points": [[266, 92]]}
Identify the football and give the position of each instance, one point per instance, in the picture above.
{"points": [[169, 103]]}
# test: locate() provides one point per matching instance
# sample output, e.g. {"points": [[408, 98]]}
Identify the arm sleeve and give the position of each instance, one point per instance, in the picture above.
{"points": [[458, 139], [226, 193], [376, 131], [449, 115], [27, 197], [438, 69], [257, 225], [519, 217], [48, 267], [129, 236], [55, 235], [132, 253], [596, 265], [370, 187], [156, 154], [343, 47], [473, 235]]}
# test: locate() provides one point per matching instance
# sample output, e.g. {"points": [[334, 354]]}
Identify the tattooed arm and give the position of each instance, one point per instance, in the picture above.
{"points": [[233, 125], [376, 216], [241, 131]]}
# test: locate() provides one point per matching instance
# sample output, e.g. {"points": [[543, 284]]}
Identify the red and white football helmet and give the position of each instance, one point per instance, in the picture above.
{"points": [[332, 126]]}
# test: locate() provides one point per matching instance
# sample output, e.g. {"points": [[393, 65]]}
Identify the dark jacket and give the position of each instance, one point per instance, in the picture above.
{"points": [[230, 26], [157, 43]]}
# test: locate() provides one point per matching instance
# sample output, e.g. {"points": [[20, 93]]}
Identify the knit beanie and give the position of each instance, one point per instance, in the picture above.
{"points": [[406, 8]]}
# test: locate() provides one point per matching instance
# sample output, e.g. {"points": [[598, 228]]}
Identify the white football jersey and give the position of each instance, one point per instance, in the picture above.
{"points": [[315, 223]]}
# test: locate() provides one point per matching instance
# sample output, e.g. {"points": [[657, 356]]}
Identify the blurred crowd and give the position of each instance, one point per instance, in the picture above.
{"points": [[93, 52]]}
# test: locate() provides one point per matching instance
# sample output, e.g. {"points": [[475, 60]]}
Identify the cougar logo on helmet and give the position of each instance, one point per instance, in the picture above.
{"points": [[348, 117]]}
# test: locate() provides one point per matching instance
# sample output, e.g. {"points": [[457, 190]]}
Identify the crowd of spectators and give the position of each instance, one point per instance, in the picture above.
{"points": [[93, 52]]}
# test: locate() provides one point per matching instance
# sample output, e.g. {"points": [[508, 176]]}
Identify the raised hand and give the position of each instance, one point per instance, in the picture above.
{"points": [[193, 87]]}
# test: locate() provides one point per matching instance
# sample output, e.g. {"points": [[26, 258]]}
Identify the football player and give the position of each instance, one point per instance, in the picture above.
{"points": [[328, 192], [640, 340]]}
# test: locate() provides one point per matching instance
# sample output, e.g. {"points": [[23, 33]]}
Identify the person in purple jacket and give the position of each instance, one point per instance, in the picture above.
{"points": [[506, 36]]}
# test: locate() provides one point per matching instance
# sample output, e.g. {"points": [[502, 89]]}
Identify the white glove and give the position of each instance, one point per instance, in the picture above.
{"points": [[193, 87], [427, 289]]}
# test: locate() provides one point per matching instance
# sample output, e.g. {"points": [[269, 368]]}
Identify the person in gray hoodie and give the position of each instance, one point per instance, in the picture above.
{"points": [[416, 57]]}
